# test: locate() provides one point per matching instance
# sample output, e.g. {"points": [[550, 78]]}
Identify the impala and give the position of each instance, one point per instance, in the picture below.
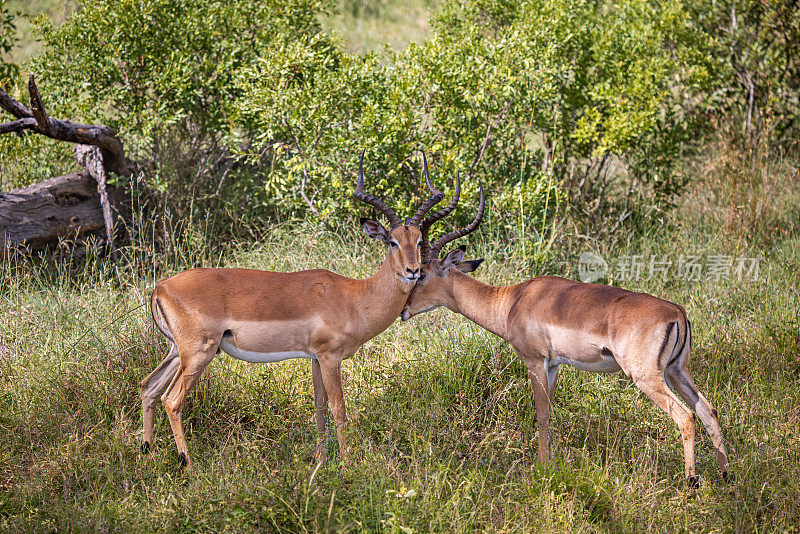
{"points": [[551, 321], [260, 316]]}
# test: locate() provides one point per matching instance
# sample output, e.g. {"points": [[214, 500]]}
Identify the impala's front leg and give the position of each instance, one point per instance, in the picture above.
{"points": [[331, 370], [538, 375], [321, 407]]}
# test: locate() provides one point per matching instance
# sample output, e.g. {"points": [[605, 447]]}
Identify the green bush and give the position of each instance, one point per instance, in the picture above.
{"points": [[522, 95], [743, 68], [161, 73], [254, 108], [8, 38]]}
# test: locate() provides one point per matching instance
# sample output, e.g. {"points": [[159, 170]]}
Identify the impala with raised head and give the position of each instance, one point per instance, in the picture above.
{"points": [[260, 316], [551, 321]]}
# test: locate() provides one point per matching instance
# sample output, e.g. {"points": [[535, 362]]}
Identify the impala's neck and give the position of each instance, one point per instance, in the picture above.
{"points": [[481, 303], [384, 296]]}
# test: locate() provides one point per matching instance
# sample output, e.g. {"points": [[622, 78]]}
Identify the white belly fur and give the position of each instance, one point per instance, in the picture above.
{"points": [[606, 364], [262, 357]]}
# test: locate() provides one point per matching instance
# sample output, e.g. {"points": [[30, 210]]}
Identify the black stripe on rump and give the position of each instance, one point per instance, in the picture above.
{"points": [[670, 326], [680, 350]]}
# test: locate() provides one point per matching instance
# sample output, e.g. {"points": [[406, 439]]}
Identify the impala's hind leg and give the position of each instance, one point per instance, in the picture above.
{"points": [[194, 358], [321, 407], [657, 390], [679, 376], [151, 388], [680, 379]]}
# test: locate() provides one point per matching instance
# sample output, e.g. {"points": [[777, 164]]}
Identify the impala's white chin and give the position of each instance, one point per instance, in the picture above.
{"points": [[406, 315]]}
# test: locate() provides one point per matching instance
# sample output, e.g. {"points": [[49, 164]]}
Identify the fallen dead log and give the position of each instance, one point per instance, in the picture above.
{"points": [[62, 208]]}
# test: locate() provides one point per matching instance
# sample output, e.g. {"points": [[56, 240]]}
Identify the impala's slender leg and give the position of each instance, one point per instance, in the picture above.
{"points": [[151, 388], [194, 359], [680, 379], [657, 391], [537, 372], [679, 376], [321, 406], [331, 370]]}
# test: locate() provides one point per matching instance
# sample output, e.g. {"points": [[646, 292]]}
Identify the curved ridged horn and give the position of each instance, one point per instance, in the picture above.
{"points": [[435, 198], [372, 200], [442, 241], [425, 246]]}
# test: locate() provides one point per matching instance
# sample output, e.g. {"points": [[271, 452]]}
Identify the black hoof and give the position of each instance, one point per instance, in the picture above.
{"points": [[693, 482], [182, 460], [145, 447], [727, 477]]}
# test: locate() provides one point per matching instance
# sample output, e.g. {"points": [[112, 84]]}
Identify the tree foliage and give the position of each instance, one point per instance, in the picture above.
{"points": [[8, 38], [745, 55], [162, 73], [255, 105], [515, 93]]}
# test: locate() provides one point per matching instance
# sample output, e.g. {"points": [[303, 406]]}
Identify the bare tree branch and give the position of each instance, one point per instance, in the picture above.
{"points": [[487, 138], [37, 108], [92, 159], [304, 179], [37, 120], [18, 126], [15, 108]]}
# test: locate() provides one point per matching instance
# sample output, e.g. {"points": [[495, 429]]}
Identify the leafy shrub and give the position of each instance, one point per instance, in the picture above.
{"points": [[161, 73], [523, 95], [743, 65], [8, 38], [253, 107]]}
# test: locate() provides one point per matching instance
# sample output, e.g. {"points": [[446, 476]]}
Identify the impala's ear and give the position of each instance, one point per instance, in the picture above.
{"points": [[454, 257], [375, 230], [469, 265]]}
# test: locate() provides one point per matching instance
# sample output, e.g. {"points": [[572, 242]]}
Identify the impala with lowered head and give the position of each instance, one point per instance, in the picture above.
{"points": [[551, 321]]}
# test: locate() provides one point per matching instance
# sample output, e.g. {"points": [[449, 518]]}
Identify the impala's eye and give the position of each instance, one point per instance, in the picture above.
{"points": [[394, 244], [422, 276]]}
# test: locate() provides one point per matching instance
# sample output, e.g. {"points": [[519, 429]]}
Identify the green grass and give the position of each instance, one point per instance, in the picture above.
{"points": [[28, 10], [442, 416], [369, 25]]}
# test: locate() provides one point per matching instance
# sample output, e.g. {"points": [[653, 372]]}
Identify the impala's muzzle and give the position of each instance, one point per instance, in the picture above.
{"points": [[405, 315], [412, 274]]}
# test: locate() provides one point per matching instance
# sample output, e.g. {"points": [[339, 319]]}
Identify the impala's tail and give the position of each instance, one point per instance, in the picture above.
{"points": [[681, 327], [159, 318], [152, 386]]}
